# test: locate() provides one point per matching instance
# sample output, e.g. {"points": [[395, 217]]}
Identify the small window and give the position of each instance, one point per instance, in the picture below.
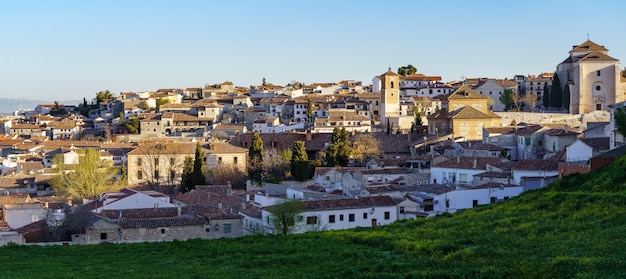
{"points": [[597, 73], [351, 217], [331, 219], [139, 162], [235, 160], [103, 236], [219, 160], [311, 220], [387, 215], [598, 87], [162, 231], [226, 228], [139, 175], [340, 217], [364, 215], [402, 209]]}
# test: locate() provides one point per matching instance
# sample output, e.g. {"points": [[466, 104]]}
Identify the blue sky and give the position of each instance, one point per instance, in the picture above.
{"points": [[67, 50]]}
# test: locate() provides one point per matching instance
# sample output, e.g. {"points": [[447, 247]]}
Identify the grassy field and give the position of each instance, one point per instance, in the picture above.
{"points": [[572, 229]]}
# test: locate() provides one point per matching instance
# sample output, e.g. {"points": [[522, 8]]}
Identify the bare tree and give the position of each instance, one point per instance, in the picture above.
{"points": [[223, 174], [366, 146], [530, 100]]}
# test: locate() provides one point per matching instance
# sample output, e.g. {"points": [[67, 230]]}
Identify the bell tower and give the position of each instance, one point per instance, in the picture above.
{"points": [[389, 96]]}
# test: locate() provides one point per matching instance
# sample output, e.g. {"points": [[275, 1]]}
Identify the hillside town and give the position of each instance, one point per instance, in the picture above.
{"points": [[226, 161]]}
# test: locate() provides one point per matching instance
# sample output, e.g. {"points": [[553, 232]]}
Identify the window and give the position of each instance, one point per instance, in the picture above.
{"points": [[598, 87], [156, 161], [597, 73], [493, 199], [474, 203], [156, 174], [331, 219], [162, 231], [226, 228], [219, 160], [364, 215], [235, 160], [311, 220], [387, 215], [340, 217], [402, 209], [103, 236], [139, 162], [139, 175], [351, 217]]}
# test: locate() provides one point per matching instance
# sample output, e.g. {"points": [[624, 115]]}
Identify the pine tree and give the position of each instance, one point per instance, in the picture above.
{"points": [[299, 161], [198, 176]]}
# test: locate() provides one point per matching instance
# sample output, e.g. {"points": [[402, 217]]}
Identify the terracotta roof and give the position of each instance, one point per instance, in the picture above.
{"points": [[597, 143], [493, 185], [468, 163], [473, 145], [597, 56], [14, 198], [183, 148], [537, 164], [588, 45], [420, 77], [500, 130], [229, 127], [465, 92], [468, 112], [560, 133], [224, 147]]}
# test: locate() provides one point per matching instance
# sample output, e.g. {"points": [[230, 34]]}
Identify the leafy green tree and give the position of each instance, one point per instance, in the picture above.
{"points": [[566, 97], [339, 150], [161, 101], [620, 120], [284, 216], [132, 125], [556, 92], [545, 99], [187, 176], [407, 70], [199, 176], [264, 82], [86, 179], [418, 116], [103, 96], [309, 110], [299, 161], [507, 98]]}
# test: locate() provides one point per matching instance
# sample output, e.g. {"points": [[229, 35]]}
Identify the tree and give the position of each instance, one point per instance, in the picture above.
{"points": [[418, 116], [388, 127], [545, 99], [103, 96], [86, 179], [407, 70], [556, 92], [620, 120], [276, 164], [530, 100], [132, 125], [199, 176], [187, 176], [366, 146], [161, 101], [566, 97], [508, 98], [57, 109], [309, 110], [299, 161], [339, 150], [264, 83], [284, 214], [490, 102], [255, 157], [223, 174]]}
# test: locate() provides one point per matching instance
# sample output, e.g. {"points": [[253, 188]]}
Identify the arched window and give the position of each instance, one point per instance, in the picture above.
{"points": [[392, 84]]}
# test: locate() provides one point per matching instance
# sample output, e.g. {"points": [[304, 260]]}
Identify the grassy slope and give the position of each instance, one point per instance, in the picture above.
{"points": [[573, 228]]}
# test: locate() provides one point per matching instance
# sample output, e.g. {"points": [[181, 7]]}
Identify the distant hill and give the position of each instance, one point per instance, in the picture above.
{"points": [[573, 228], [9, 105]]}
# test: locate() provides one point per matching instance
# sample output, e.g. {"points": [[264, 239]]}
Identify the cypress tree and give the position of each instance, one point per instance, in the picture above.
{"points": [[187, 177], [566, 97], [198, 177], [256, 148], [555, 92], [299, 161], [545, 99]]}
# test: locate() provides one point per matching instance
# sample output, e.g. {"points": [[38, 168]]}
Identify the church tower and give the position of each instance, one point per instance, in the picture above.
{"points": [[593, 78], [389, 96]]}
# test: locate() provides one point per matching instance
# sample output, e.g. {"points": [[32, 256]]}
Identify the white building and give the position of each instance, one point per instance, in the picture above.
{"points": [[340, 214], [484, 194]]}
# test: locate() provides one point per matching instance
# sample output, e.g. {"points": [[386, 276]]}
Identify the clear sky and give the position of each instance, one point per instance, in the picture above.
{"points": [[67, 50]]}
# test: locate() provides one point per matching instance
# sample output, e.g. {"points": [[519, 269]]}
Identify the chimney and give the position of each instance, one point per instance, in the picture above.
{"points": [[179, 209], [309, 137], [458, 159], [474, 162]]}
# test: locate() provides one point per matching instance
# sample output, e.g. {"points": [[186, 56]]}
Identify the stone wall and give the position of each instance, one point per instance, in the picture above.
{"points": [[572, 120]]}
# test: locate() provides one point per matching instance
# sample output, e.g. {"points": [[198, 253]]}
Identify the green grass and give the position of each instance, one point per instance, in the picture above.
{"points": [[572, 229]]}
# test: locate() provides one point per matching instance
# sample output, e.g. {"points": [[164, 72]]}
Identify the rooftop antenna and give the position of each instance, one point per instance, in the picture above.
{"points": [[587, 36]]}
